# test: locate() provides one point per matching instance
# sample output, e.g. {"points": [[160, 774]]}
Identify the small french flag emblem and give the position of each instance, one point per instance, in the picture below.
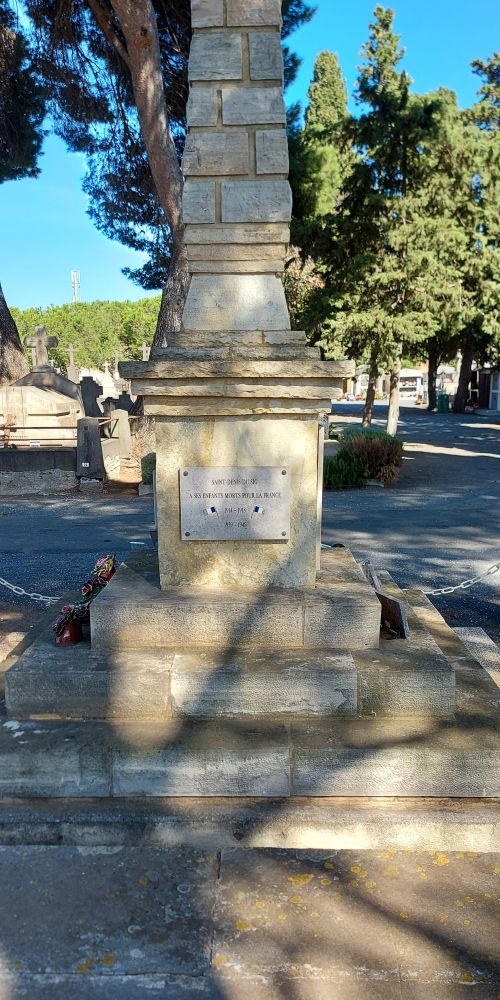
{"points": [[211, 511], [257, 510]]}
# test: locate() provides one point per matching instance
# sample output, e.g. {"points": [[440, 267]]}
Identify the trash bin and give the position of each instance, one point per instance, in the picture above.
{"points": [[443, 402]]}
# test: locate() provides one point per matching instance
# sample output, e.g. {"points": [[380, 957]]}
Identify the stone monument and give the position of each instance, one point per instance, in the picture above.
{"points": [[238, 398], [43, 405]]}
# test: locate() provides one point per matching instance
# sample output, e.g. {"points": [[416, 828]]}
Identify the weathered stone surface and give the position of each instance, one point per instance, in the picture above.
{"points": [[216, 56], [256, 201], [271, 232], [198, 201], [284, 337], [45, 760], [342, 618], [320, 823], [271, 149], [236, 251], [240, 12], [248, 302], [483, 649], [263, 684], [406, 677], [105, 909], [237, 266], [253, 106], [206, 368], [207, 13], [124, 685], [215, 153], [202, 106], [219, 618], [206, 760], [400, 770], [266, 58]]}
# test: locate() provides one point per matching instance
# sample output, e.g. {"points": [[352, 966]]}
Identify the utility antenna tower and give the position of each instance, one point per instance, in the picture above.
{"points": [[75, 284]]}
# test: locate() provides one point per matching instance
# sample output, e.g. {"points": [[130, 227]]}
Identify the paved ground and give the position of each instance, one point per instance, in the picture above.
{"points": [[124, 923], [131, 923], [441, 523]]}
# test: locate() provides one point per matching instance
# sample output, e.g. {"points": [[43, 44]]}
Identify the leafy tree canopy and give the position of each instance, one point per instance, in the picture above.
{"points": [[97, 330]]}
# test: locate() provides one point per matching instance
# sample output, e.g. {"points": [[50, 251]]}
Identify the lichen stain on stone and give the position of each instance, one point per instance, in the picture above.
{"points": [[441, 859], [243, 925], [282, 917], [328, 865], [325, 881], [300, 880], [85, 966], [359, 871], [220, 960], [466, 977], [296, 900], [108, 960], [260, 904], [443, 918], [404, 915], [143, 880]]}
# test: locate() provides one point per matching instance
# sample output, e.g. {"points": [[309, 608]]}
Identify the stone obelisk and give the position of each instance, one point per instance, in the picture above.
{"points": [[236, 389]]}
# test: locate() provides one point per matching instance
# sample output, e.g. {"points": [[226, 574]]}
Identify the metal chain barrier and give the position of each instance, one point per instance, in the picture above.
{"points": [[465, 583], [43, 599]]}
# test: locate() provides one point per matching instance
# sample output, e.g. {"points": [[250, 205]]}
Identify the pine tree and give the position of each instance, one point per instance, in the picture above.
{"points": [[319, 160], [377, 270]]}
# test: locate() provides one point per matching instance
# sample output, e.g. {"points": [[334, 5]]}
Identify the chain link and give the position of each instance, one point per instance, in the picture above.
{"points": [[42, 598], [465, 584]]}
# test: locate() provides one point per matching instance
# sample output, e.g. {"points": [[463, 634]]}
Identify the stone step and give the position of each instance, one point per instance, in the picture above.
{"points": [[401, 678], [295, 823], [342, 613], [76, 683], [186, 758]]}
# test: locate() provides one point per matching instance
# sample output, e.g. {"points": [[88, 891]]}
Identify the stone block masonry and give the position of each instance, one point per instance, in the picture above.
{"points": [[236, 129]]}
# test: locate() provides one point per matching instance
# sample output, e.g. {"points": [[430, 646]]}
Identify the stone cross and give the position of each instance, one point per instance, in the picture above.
{"points": [[40, 342], [73, 371], [145, 351]]}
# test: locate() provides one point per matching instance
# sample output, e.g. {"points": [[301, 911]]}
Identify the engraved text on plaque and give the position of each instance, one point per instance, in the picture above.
{"points": [[235, 503]]}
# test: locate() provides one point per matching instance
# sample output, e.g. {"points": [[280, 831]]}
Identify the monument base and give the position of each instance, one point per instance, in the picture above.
{"points": [[340, 613]]}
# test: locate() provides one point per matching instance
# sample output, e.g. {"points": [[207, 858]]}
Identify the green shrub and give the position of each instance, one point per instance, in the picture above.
{"points": [[333, 432], [345, 469], [381, 454], [148, 466]]}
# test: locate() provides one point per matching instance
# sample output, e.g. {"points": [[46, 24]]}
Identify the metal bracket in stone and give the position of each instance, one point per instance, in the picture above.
{"points": [[393, 610]]}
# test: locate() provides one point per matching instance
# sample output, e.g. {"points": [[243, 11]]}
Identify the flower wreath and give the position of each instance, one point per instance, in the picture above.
{"points": [[67, 625]]}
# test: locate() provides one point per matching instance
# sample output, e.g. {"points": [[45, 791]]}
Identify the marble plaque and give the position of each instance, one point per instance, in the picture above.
{"points": [[231, 503]]}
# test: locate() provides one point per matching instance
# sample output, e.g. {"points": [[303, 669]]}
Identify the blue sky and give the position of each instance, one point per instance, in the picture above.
{"points": [[45, 229]]}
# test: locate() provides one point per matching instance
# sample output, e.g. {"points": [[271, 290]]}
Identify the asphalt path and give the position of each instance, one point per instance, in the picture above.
{"points": [[438, 526]]}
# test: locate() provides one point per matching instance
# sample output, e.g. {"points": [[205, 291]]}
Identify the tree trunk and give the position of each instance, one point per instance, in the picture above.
{"points": [[370, 392], [143, 59], [432, 376], [173, 298], [393, 414], [13, 364], [462, 393]]}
